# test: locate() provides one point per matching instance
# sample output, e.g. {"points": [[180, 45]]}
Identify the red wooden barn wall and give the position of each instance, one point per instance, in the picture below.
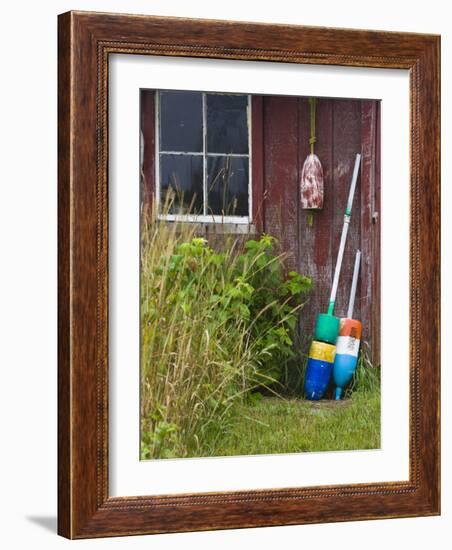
{"points": [[344, 128], [280, 136]]}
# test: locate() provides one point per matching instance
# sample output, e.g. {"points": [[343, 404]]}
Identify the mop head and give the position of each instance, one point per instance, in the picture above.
{"points": [[311, 187]]}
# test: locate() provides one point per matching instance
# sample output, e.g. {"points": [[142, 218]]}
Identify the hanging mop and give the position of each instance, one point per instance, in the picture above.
{"points": [[323, 347], [311, 184], [347, 344]]}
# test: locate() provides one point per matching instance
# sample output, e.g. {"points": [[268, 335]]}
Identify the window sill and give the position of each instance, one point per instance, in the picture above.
{"points": [[216, 228]]}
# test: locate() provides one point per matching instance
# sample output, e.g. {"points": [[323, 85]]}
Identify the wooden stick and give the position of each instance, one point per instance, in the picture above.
{"points": [[351, 302], [347, 216]]}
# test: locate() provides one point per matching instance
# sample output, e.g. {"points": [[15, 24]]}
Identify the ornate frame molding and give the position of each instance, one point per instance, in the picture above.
{"points": [[85, 42]]}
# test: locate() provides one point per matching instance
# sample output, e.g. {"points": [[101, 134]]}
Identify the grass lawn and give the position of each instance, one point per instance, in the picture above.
{"points": [[219, 328], [272, 425]]}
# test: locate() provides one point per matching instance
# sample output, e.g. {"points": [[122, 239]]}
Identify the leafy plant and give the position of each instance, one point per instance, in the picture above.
{"points": [[274, 302], [216, 326]]}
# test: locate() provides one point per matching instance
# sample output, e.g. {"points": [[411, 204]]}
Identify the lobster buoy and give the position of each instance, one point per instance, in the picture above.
{"points": [[347, 349], [326, 328], [311, 184], [311, 188], [318, 369], [348, 340]]}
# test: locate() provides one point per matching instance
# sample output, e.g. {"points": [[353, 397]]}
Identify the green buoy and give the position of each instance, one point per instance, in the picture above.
{"points": [[326, 328]]}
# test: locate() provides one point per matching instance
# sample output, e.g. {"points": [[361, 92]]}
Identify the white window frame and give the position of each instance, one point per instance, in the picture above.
{"points": [[203, 218]]}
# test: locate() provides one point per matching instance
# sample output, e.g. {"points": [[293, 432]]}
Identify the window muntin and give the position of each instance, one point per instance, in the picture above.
{"points": [[205, 178]]}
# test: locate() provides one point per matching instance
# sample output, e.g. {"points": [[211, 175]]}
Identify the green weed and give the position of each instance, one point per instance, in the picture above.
{"points": [[216, 325]]}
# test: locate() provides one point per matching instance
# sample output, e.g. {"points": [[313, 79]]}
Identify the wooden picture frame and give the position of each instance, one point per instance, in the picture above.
{"points": [[85, 42]]}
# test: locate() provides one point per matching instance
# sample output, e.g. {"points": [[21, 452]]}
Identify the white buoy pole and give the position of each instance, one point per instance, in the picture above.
{"points": [[347, 216], [351, 302]]}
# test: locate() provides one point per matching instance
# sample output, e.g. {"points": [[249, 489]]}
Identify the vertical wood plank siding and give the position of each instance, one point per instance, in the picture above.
{"points": [[344, 128], [316, 245], [257, 159], [147, 142], [280, 131], [281, 169]]}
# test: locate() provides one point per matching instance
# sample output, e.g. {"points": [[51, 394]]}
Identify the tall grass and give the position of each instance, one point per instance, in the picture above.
{"points": [[200, 354], [217, 323], [367, 376]]}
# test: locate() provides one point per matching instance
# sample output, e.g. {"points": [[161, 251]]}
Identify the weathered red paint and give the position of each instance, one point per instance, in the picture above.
{"points": [[311, 185], [281, 169], [346, 143], [344, 128], [370, 220], [147, 141], [280, 144], [316, 255], [257, 161]]}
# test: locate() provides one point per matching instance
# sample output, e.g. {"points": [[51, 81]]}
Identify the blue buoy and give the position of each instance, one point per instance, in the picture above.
{"points": [[318, 370], [347, 344], [318, 374], [343, 370]]}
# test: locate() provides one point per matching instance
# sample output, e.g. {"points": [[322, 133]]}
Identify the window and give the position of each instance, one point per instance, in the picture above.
{"points": [[203, 170]]}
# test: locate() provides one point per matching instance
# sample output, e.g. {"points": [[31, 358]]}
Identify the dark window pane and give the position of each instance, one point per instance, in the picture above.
{"points": [[181, 187], [181, 121], [227, 186], [227, 124]]}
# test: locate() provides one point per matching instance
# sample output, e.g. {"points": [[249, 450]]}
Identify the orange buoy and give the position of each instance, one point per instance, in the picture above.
{"points": [[347, 343], [350, 328]]}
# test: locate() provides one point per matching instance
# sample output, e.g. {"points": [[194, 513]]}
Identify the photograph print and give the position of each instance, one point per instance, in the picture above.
{"points": [[259, 274]]}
